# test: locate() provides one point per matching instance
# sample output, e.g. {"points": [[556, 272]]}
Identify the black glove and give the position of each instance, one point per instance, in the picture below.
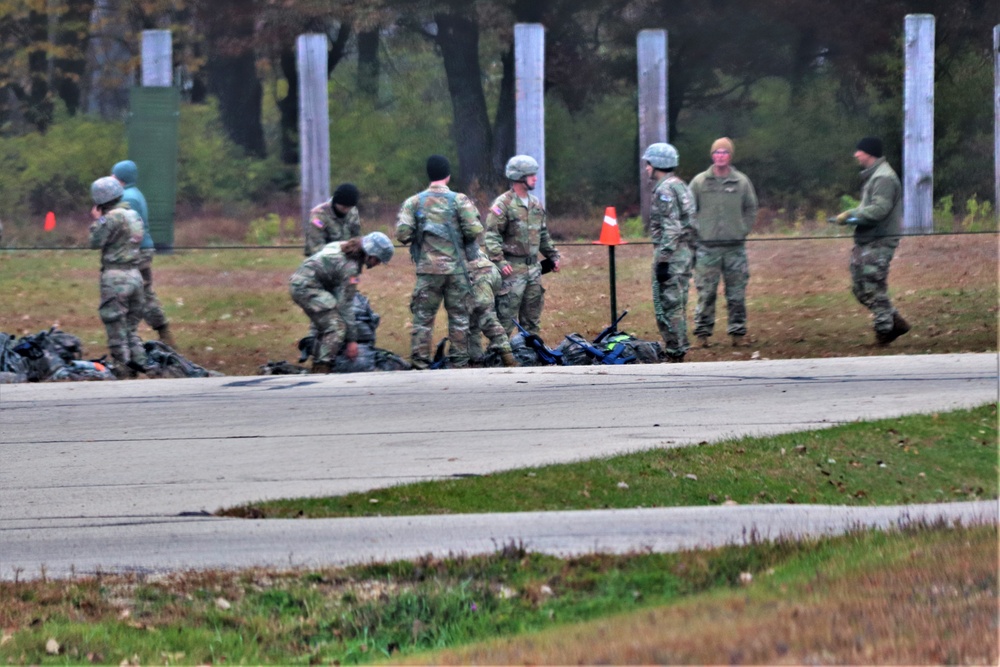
{"points": [[547, 265], [662, 272]]}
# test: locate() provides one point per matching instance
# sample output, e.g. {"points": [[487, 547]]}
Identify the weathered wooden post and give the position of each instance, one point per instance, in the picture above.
{"points": [[996, 122], [529, 75], [651, 46], [918, 125], [153, 134], [314, 122]]}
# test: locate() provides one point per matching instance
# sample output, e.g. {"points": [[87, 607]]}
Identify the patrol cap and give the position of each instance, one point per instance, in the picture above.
{"points": [[106, 189], [661, 156], [377, 245]]}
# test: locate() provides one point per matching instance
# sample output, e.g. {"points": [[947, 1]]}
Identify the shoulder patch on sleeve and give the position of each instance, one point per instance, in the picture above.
{"points": [[318, 222], [496, 210], [354, 280]]}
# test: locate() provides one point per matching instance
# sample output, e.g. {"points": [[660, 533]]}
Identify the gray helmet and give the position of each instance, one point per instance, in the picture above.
{"points": [[105, 189], [520, 166], [661, 156], [377, 245]]}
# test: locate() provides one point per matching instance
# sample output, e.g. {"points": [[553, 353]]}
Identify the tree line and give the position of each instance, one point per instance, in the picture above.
{"points": [[786, 78]]}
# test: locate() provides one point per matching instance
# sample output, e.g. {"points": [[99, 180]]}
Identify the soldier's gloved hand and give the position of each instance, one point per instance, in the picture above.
{"points": [[662, 272]]}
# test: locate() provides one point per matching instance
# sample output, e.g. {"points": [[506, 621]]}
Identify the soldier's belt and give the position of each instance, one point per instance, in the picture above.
{"points": [[529, 260], [119, 267]]}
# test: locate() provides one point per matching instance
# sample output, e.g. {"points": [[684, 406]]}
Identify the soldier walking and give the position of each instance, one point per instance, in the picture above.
{"points": [[438, 224], [878, 224], [671, 220], [725, 211], [117, 232], [486, 284], [516, 232], [324, 287]]}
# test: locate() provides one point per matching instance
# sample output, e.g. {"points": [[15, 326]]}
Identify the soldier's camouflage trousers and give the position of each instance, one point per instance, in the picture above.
{"points": [[729, 264], [870, 281], [522, 298], [428, 293], [121, 311], [483, 320], [328, 326], [670, 301], [152, 308]]}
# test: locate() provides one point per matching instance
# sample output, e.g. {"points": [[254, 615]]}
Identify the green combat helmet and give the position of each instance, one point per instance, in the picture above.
{"points": [[520, 167], [105, 189], [661, 156], [377, 245]]}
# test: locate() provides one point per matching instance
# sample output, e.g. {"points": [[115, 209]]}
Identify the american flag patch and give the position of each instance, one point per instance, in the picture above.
{"points": [[318, 222], [497, 210], [353, 280]]}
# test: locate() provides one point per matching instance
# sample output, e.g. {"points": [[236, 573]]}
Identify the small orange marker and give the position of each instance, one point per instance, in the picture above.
{"points": [[50, 221]]}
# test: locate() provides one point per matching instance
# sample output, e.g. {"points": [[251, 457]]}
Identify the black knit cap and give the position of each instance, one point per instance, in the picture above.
{"points": [[871, 145], [438, 168], [346, 194]]}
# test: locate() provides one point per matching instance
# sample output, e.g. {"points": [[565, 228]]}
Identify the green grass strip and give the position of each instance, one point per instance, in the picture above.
{"points": [[938, 457]]}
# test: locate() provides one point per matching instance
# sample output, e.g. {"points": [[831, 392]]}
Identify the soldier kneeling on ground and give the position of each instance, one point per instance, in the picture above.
{"points": [[324, 288]]}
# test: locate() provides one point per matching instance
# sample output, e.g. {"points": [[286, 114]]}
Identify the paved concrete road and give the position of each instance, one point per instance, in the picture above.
{"points": [[101, 454]]}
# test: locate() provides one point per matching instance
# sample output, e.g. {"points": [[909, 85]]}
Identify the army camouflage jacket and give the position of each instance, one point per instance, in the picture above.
{"points": [[438, 254], [325, 226], [118, 234], [725, 207], [880, 215], [332, 271], [516, 233], [671, 215]]}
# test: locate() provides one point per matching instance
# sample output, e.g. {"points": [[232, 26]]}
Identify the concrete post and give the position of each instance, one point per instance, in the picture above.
{"points": [[157, 59], [918, 124], [314, 122], [529, 75], [651, 47]]}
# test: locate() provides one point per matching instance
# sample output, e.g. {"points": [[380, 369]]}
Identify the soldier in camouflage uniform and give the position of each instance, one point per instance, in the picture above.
{"points": [[671, 220], [725, 208], [324, 287], [437, 224], [117, 231], [127, 174], [878, 224], [485, 286], [335, 220], [516, 232]]}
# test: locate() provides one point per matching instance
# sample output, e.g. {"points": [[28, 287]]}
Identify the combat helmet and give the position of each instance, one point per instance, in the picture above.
{"points": [[521, 166], [106, 189], [377, 245], [661, 156]]}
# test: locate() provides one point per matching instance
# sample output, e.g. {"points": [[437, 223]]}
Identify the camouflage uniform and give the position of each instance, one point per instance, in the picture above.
{"points": [[326, 226], [726, 208], [118, 234], [441, 270], [127, 172], [876, 236], [515, 234], [670, 226], [324, 287], [486, 282]]}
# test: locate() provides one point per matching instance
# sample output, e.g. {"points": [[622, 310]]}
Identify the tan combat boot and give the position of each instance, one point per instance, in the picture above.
{"points": [[320, 367], [508, 359]]}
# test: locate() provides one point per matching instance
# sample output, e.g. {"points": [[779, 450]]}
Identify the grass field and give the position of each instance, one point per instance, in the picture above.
{"points": [[231, 311]]}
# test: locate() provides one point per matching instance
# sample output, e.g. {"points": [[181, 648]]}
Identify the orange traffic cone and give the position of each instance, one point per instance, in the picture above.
{"points": [[609, 230], [50, 221]]}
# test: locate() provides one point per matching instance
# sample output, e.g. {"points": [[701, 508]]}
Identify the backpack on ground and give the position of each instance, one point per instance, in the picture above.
{"points": [[163, 361], [48, 351]]}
